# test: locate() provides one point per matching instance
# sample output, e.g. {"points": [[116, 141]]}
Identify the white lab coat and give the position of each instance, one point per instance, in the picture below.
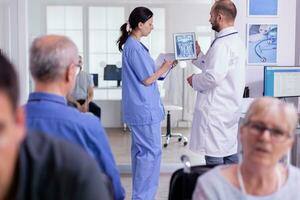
{"points": [[219, 89]]}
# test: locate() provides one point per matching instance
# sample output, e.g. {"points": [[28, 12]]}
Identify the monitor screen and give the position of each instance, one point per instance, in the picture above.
{"points": [[112, 72], [281, 81]]}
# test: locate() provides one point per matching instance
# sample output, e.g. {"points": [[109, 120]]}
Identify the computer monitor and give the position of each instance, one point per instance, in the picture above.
{"points": [[281, 81], [113, 73]]}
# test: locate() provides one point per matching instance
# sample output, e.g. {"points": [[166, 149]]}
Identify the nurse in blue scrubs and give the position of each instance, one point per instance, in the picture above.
{"points": [[141, 105]]}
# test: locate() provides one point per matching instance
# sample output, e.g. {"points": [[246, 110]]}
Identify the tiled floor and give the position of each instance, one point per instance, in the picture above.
{"points": [[120, 142], [163, 190]]}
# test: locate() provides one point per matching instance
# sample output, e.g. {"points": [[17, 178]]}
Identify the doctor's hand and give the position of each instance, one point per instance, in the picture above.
{"points": [[198, 48], [190, 80]]}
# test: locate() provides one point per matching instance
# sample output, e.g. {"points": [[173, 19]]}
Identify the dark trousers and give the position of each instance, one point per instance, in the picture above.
{"points": [[93, 108], [232, 159]]}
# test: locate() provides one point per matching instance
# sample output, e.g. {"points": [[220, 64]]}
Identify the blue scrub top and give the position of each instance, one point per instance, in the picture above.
{"points": [[49, 113], [141, 104]]}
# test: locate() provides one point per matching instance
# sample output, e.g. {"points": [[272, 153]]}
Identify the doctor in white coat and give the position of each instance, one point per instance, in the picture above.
{"points": [[219, 89]]}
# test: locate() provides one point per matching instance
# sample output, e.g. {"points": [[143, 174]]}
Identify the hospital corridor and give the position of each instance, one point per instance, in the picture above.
{"points": [[149, 99]]}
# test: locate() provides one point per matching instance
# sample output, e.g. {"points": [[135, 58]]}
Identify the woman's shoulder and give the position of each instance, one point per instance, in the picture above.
{"points": [[214, 185], [132, 44], [294, 174], [216, 174]]}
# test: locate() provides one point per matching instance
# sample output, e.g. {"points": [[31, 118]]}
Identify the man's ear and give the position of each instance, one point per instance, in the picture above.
{"points": [[21, 122], [69, 73]]}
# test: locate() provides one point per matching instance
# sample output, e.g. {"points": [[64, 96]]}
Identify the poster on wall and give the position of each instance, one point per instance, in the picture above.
{"points": [[263, 8], [262, 44]]}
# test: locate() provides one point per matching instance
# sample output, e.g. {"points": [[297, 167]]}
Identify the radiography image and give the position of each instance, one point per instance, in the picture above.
{"points": [[185, 46], [262, 43]]}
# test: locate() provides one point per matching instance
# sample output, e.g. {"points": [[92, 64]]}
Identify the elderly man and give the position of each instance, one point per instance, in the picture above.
{"points": [[219, 89], [266, 136], [38, 166], [53, 66], [83, 93]]}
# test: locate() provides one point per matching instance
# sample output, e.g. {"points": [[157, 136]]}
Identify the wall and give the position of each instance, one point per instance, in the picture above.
{"points": [[1, 25], [297, 53], [18, 33], [286, 21], [178, 21], [4, 26]]}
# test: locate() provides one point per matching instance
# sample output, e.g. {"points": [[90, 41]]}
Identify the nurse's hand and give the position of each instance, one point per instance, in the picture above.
{"points": [[190, 80], [174, 63], [167, 65]]}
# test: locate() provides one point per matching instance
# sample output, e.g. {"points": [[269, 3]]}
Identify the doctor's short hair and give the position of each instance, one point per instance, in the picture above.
{"points": [[227, 8], [50, 55], [9, 84], [273, 106]]}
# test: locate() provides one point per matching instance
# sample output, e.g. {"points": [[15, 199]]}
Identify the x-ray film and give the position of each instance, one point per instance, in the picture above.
{"points": [[184, 45]]}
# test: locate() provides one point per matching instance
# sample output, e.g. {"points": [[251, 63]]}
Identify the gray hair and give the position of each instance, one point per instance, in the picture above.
{"points": [[50, 55], [269, 105]]}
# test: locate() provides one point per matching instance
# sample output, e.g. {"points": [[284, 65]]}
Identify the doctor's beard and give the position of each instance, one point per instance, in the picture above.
{"points": [[215, 27]]}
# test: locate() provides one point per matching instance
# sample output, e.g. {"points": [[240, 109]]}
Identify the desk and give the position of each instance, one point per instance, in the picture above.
{"points": [[108, 93]]}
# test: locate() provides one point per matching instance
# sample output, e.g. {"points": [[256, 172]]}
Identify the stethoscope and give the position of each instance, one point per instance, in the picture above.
{"points": [[222, 37], [233, 33], [258, 50]]}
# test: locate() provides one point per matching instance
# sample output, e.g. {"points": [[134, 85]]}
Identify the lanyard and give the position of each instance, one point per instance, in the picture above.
{"points": [[222, 37]]}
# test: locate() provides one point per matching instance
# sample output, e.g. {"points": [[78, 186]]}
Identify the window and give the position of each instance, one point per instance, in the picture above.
{"points": [[66, 20], [204, 35], [156, 41], [101, 34], [104, 26]]}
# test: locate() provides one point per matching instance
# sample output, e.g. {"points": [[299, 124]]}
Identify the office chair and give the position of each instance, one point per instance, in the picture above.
{"points": [[169, 134], [184, 180]]}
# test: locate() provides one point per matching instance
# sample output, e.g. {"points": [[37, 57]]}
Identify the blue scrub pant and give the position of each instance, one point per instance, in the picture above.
{"points": [[145, 158]]}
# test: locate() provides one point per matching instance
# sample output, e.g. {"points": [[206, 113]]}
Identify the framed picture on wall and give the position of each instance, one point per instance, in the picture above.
{"points": [[263, 8], [185, 46], [262, 44]]}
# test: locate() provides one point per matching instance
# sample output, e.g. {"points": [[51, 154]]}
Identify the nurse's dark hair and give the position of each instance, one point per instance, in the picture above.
{"points": [[9, 84], [227, 8], [139, 14]]}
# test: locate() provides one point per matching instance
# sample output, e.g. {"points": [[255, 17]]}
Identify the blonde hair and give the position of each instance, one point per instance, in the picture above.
{"points": [[267, 105]]}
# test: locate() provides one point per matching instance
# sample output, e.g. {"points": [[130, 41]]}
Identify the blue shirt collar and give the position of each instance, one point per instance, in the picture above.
{"points": [[226, 31], [44, 96], [137, 41]]}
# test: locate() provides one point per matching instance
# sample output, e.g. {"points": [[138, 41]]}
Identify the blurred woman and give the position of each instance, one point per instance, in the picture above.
{"points": [[142, 109], [266, 136]]}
